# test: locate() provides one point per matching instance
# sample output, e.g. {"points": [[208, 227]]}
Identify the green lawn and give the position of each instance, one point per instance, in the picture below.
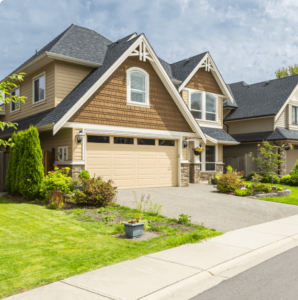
{"points": [[39, 246], [292, 199]]}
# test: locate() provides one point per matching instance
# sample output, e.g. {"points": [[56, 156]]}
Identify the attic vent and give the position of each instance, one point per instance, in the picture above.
{"points": [[245, 84]]}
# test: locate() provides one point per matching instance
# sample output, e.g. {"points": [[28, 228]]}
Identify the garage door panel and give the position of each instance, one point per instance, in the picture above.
{"points": [[133, 166]]}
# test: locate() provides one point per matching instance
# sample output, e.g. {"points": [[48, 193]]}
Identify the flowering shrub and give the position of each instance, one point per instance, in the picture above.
{"points": [[262, 188], [228, 182], [96, 192], [57, 179], [56, 199], [243, 192]]}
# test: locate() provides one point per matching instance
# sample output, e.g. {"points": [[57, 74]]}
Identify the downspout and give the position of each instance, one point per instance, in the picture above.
{"points": [[226, 125]]}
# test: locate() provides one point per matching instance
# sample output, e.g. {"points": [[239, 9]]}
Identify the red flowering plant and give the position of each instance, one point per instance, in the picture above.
{"points": [[96, 192]]}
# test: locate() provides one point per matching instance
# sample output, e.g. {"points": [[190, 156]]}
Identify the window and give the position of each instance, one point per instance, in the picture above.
{"points": [[98, 139], [63, 153], [203, 106], [15, 105], [210, 158], [39, 89], [149, 142], [295, 115], [137, 87], [123, 140], [166, 142], [196, 105]]}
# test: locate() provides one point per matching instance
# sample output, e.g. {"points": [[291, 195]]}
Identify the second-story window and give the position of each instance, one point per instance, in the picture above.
{"points": [[15, 105], [39, 89], [203, 106], [137, 87], [295, 115]]}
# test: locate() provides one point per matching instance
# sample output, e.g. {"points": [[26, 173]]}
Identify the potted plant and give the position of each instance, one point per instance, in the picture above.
{"points": [[214, 178], [77, 184], [198, 150], [287, 146], [134, 228]]}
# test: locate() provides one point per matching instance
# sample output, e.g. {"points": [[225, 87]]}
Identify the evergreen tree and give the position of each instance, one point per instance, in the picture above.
{"points": [[10, 175], [31, 168]]}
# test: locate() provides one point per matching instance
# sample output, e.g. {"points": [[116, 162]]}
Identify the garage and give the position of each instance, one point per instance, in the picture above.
{"points": [[133, 162], [291, 159]]}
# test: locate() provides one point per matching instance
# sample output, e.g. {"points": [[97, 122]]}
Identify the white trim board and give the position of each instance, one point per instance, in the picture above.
{"points": [[159, 70], [128, 131], [218, 76]]}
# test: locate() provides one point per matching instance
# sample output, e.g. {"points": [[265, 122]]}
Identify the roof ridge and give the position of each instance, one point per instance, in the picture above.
{"points": [[188, 58], [277, 128], [62, 36]]}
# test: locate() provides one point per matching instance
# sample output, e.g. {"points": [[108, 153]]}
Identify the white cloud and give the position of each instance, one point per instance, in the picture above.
{"points": [[248, 40]]}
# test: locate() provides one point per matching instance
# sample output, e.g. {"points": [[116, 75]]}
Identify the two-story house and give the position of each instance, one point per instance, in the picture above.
{"points": [[117, 110], [263, 111]]}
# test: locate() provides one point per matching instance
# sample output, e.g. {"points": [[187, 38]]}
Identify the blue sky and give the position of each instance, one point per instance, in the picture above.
{"points": [[247, 39]]}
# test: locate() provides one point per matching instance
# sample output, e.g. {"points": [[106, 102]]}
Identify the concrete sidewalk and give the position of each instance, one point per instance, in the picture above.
{"points": [[178, 273]]}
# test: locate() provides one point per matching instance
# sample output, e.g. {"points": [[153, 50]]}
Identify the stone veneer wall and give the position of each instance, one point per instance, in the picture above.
{"points": [[194, 173], [205, 176], [74, 171], [283, 157], [184, 174]]}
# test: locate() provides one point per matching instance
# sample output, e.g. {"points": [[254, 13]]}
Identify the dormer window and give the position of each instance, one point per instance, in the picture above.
{"points": [[137, 87], [15, 106], [203, 106]]}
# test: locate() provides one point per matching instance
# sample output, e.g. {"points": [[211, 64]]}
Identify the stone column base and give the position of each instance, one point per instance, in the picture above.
{"points": [[74, 171], [194, 173], [184, 174]]}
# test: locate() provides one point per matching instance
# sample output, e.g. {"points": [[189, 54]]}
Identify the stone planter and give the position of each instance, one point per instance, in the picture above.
{"points": [[133, 231], [78, 187]]}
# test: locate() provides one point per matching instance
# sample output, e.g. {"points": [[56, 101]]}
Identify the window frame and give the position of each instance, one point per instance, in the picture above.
{"points": [[11, 91], [43, 74], [215, 158], [204, 104], [128, 88], [296, 115], [203, 158]]}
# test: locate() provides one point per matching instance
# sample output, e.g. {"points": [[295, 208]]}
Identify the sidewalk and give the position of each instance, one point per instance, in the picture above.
{"points": [[178, 273]]}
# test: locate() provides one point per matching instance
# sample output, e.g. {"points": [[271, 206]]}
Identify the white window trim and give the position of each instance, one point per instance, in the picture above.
{"points": [[191, 91], [64, 150], [33, 90], [203, 157], [294, 124], [132, 103], [11, 91]]}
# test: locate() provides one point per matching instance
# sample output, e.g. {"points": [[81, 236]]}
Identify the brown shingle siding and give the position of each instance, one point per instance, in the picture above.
{"points": [[108, 105]]}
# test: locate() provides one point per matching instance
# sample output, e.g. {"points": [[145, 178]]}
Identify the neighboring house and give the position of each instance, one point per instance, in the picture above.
{"points": [[117, 110], [263, 111]]}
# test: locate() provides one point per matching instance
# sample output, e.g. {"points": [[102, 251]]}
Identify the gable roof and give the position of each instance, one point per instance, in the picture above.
{"points": [[261, 99], [76, 42]]}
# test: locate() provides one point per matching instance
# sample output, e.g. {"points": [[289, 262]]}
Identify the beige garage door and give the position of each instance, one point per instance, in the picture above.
{"points": [[291, 159], [133, 162]]}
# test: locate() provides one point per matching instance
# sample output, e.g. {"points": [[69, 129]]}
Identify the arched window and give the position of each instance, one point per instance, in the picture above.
{"points": [[137, 87]]}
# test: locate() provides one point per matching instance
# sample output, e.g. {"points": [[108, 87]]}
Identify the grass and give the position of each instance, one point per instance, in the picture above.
{"points": [[292, 199], [39, 246]]}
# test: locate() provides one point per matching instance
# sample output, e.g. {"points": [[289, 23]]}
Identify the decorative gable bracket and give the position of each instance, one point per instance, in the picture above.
{"points": [[207, 64], [142, 52]]}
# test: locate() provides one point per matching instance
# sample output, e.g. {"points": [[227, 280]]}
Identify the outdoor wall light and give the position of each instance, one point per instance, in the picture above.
{"points": [[185, 143], [80, 137]]}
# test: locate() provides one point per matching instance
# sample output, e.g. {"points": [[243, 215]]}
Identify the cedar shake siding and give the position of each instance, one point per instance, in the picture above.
{"points": [[107, 106], [204, 81]]}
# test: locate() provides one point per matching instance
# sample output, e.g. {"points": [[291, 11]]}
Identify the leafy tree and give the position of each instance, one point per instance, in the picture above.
{"points": [[284, 72], [31, 173], [270, 159], [5, 97], [293, 70]]}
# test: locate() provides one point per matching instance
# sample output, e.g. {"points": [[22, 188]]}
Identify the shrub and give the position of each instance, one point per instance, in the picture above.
{"points": [[262, 188], [184, 219], [286, 179], [249, 186], [243, 192], [56, 199], [96, 192], [31, 173], [266, 178], [279, 189], [56, 179], [228, 182], [84, 175], [229, 169], [75, 182], [10, 174]]}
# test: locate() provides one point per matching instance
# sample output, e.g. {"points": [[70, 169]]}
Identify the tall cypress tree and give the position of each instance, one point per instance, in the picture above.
{"points": [[10, 175], [32, 170]]}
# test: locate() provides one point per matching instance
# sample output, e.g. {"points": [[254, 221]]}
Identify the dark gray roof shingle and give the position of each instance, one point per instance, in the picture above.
{"points": [[278, 134], [218, 134], [261, 99]]}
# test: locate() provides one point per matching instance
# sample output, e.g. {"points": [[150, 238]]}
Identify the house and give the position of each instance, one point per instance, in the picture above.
{"points": [[119, 111], [263, 111]]}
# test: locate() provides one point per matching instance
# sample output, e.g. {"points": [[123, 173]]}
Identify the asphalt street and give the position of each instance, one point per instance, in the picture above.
{"points": [[275, 279]]}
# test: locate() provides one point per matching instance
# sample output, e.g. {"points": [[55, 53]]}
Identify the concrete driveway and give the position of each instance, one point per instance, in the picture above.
{"points": [[209, 208]]}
